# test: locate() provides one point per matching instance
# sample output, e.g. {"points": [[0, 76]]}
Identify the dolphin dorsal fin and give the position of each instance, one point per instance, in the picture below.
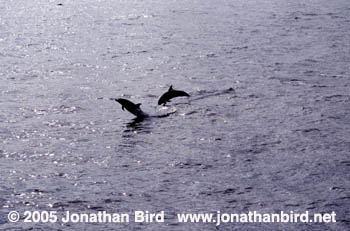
{"points": [[138, 105], [170, 88]]}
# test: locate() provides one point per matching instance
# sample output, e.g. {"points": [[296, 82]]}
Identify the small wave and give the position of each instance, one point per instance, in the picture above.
{"points": [[202, 94]]}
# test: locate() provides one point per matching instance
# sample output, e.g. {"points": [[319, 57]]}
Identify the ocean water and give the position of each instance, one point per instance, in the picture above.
{"points": [[266, 129]]}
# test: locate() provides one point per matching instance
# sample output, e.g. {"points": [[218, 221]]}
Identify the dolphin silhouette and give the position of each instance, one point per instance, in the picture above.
{"points": [[171, 93], [131, 107]]}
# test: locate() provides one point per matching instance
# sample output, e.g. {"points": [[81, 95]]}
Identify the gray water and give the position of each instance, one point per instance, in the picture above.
{"points": [[266, 127]]}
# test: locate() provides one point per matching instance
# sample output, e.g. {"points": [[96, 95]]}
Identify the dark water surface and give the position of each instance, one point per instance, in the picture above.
{"points": [[279, 140]]}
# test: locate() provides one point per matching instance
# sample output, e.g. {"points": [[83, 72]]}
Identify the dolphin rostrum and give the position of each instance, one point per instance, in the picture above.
{"points": [[131, 107], [171, 93]]}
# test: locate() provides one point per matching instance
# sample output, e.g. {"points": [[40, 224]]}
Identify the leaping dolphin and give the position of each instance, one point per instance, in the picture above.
{"points": [[131, 107], [171, 93]]}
